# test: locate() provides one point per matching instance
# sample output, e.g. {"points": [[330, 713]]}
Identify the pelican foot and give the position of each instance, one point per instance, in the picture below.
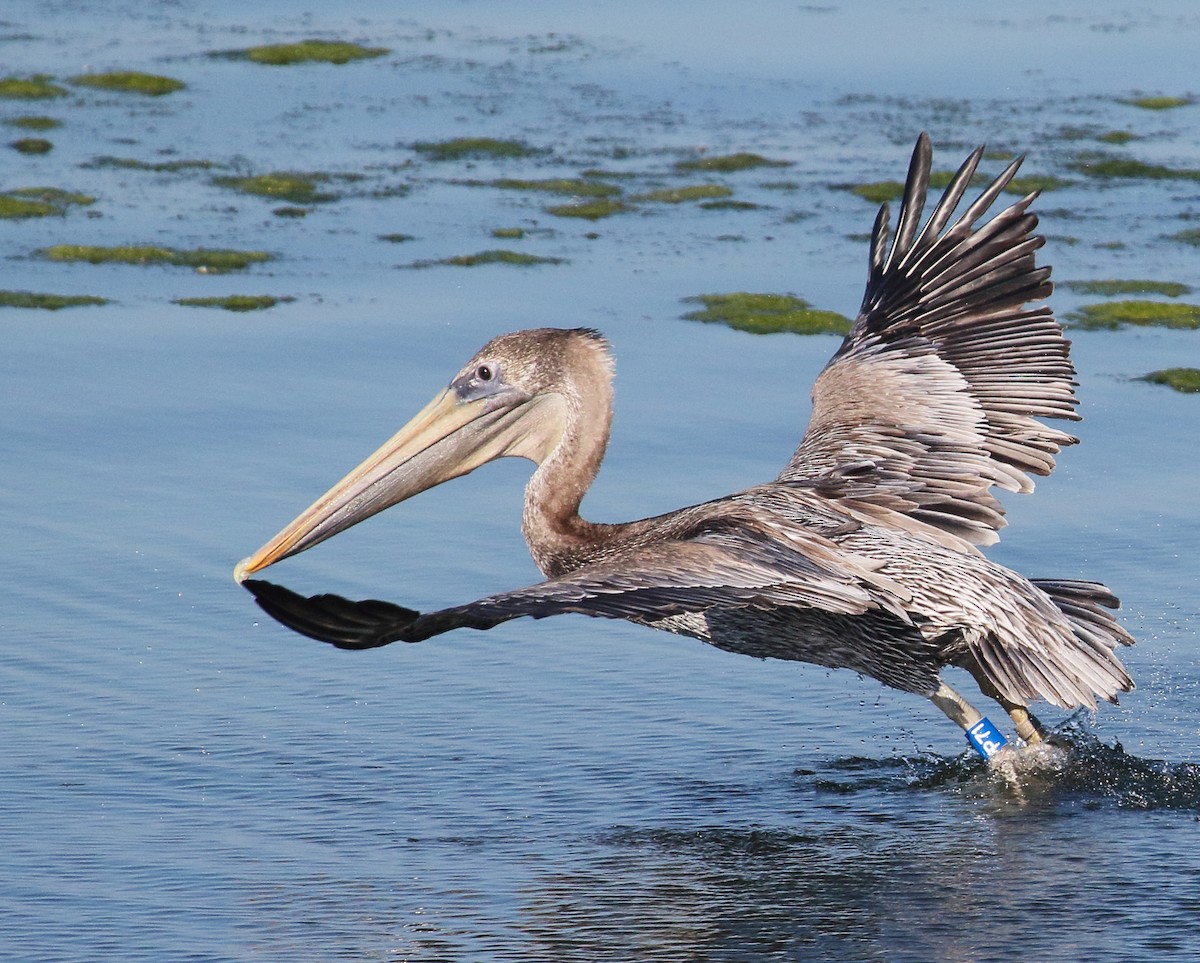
{"points": [[1029, 729], [1024, 767]]}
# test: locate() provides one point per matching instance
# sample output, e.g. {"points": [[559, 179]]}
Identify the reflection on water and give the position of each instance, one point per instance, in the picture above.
{"points": [[185, 780], [907, 874]]}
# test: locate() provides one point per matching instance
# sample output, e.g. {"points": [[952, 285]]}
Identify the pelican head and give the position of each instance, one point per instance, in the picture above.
{"points": [[514, 397]]}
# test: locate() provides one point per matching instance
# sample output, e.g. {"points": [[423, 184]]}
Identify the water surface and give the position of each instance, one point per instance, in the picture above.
{"points": [[185, 780]]}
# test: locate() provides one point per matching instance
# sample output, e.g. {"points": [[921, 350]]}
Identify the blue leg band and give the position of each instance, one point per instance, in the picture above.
{"points": [[986, 739]]}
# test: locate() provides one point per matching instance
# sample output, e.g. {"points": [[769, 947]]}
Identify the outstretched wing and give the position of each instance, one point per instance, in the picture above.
{"points": [[935, 393], [721, 562]]}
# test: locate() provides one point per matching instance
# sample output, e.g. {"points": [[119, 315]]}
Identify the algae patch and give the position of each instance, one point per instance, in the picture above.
{"points": [[766, 314], [299, 188], [37, 87], [158, 167], [32, 145], [1108, 167], [33, 122], [458, 148], [307, 51], [731, 205], [234, 302], [508, 233], [575, 187], [206, 260], [130, 81], [877, 192], [47, 302], [880, 192], [17, 208], [1190, 236], [1111, 288], [589, 210], [728, 163], [1035, 182], [1156, 103], [1115, 314], [494, 256], [693, 192], [55, 195], [40, 202], [1186, 380]]}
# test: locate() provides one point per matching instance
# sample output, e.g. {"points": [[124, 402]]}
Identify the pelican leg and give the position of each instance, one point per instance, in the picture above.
{"points": [[955, 706], [983, 736], [1029, 729]]}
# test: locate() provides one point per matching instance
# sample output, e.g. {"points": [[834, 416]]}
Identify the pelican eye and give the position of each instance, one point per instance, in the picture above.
{"points": [[484, 380]]}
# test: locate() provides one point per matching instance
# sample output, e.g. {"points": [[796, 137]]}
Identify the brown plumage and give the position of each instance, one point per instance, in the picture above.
{"points": [[861, 554]]}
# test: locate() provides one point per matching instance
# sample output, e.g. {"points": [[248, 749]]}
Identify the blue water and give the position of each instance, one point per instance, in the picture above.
{"points": [[183, 779]]}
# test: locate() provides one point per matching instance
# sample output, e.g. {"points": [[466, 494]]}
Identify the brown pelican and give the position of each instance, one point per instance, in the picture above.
{"points": [[862, 553]]}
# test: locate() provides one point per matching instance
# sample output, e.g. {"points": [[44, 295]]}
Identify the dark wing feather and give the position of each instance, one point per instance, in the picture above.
{"points": [[330, 618], [935, 393], [718, 562]]}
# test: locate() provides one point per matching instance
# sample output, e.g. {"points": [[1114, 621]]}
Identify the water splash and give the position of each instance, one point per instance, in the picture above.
{"points": [[1074, 769]]}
